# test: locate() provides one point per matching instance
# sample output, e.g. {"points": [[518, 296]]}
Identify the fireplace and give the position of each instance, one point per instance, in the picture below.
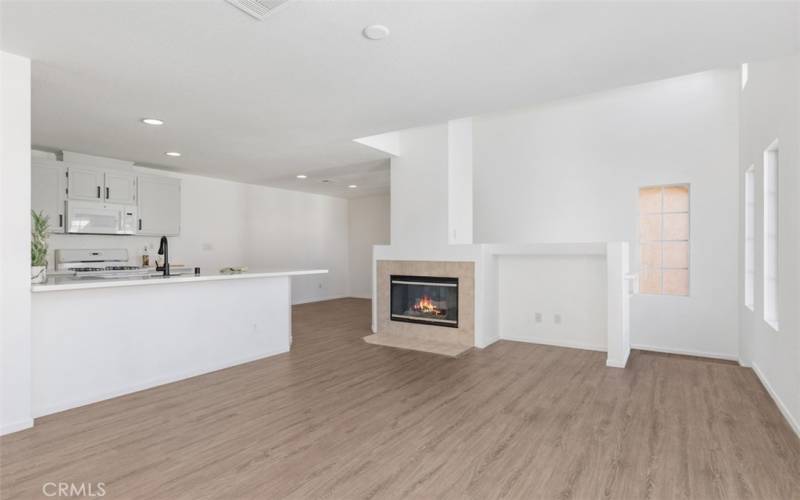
{"points": [[424, 299]]}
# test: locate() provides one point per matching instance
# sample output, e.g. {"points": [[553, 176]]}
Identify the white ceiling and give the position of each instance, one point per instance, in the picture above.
{"points": [[372, 179], [263, 101]]}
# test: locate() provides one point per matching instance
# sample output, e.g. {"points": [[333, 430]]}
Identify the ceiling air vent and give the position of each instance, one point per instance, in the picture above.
{"points": [[257, 8]]}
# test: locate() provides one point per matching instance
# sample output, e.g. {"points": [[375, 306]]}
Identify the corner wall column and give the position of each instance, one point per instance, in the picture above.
{"points": [[619, 338]]}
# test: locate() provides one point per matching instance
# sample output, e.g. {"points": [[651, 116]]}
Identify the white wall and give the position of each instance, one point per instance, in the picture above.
{"points": [[572, 287], [570, 171], [419, 174], [15, 260], [459, 178], [770, 109], [226, 223], [368, 220], [289, 229]]}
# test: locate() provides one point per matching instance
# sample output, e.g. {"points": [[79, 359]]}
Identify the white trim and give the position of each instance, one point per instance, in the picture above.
{"points": [[289, 310], [618, 363], [569, 344], [770, 253], [685, 352], [16, 426], [781, 406], [149, 384], [319, 299], [488, 342]]}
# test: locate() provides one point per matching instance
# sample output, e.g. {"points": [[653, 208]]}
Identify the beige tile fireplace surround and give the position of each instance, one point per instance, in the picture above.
{"points": [[421, 337]]}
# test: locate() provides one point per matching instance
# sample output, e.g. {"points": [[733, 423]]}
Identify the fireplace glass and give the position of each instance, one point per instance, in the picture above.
{"points": [[425, 299]]}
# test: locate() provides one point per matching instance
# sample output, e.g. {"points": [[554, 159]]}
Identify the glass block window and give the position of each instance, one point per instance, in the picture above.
{"points": [[664, 240]]}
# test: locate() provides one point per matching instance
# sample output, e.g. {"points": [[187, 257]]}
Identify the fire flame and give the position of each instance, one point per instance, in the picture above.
{"points": [[425, 305]]}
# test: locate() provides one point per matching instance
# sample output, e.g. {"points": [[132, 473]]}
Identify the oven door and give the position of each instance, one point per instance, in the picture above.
{"points": [[86, 217]]}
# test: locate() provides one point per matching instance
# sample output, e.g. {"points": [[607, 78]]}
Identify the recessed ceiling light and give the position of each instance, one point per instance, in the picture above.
{"points": [[152, 121], [375, 32], [302, 176], [172, 153], [352, 186]]}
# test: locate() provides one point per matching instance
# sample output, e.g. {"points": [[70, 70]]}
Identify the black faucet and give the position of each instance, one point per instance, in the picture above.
{"points": [[163, 249]]}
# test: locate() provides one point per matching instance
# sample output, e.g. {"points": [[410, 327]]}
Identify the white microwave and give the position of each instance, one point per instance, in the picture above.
{"points": [[91, 217]]}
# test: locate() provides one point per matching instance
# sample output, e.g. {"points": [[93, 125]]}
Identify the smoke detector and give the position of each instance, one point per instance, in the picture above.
{"points": [[257, 8]]}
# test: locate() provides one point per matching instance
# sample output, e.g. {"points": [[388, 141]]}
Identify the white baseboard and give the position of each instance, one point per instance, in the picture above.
{"points": [[782, 407], [557, 343], [319, 299], [486, 344], [618, 363], [685, 352], [149, 384], [20, 425]]}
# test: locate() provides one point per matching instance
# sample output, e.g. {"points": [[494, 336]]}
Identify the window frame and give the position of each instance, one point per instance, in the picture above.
{"points": [[749, 250], [661, 242], [771, 246]]}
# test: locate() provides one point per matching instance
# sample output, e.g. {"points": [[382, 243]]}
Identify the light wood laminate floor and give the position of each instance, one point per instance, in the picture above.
{"points": [[340, 418]]}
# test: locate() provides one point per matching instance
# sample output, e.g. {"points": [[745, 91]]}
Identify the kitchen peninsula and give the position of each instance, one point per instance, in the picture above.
{"points": [[95, 339]]}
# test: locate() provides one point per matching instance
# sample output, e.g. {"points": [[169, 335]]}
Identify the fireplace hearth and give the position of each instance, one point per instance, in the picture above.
{"points": [[424, 299]]}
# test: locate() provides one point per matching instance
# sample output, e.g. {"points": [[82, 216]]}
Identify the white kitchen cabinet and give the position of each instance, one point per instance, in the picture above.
{"points": [[84, 183], [159, 205], [120, 187], [48, 191], [56, 185]]}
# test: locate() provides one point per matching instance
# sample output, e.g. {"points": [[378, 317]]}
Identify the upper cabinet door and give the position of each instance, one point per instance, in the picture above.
{"points": [[48, 185], [85, 184], [120, 187], [159, 205]]}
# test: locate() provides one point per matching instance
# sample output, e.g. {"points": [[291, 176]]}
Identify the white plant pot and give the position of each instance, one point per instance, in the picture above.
{"points": [[38, 274]]}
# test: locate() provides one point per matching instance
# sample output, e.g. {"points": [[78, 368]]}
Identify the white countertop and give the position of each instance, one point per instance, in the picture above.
{"points": [[58, 283]]}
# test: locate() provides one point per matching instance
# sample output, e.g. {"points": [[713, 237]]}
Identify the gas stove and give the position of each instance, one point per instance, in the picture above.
{"points": [[109, 263], [106, 268], [106, 263]]}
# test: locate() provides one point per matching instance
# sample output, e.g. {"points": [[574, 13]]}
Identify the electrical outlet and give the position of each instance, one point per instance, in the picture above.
{"points": [[557, 319], [538, 317]]}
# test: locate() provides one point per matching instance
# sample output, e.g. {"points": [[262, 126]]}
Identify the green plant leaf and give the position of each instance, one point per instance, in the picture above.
{"points": [[39, 232]]}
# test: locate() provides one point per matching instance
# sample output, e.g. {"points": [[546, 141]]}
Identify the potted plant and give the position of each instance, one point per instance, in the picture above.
{"points": [[39, 227]]}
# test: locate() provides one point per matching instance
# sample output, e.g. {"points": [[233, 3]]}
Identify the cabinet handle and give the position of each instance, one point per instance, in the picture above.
{"points": [[98, 191], [140, 224], [108, 193], [60, 220]]}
